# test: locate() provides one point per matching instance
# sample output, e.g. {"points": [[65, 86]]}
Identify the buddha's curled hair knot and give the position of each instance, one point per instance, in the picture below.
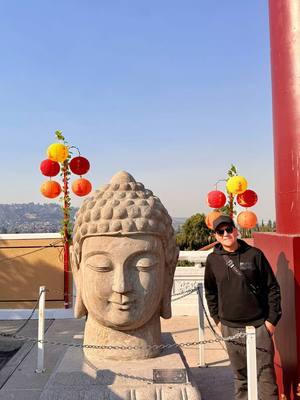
{"points": [[124, 207]]}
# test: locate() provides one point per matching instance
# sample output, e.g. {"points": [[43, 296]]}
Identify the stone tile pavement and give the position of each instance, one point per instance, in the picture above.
{"points": [[215, 381], [19, 381]]}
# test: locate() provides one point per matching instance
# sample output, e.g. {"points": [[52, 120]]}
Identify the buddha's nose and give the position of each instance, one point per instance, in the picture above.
{"points": [[121, 281]]}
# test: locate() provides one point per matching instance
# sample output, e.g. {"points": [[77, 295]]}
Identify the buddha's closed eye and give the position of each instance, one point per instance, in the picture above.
{"points": [[99, 262], [145, 262]]}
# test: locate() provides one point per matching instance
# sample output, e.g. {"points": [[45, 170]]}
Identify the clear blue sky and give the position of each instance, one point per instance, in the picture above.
{"points": [[171, 91]]}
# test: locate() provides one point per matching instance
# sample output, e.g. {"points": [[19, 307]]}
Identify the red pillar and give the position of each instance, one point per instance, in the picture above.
{"points": [[66, 237], [283, 247], [285, 66]]}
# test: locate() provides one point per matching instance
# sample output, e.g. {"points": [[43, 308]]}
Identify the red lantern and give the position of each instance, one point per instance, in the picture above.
{"points": [[81, 187], [79, 165], [247, 199], [50, 189], [49, 167], [216, 199], [247, 219], [211, 217]]}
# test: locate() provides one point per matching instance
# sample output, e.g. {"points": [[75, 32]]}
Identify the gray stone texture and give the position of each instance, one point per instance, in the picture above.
{"points": [[123, 260], [77, 378]]}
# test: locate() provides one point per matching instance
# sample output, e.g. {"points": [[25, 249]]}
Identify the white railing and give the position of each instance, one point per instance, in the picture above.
{"points": [[198, 257], [187, 278]]}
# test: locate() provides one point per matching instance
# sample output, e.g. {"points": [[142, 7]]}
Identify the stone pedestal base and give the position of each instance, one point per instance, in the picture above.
{"points": [[76, 379]]}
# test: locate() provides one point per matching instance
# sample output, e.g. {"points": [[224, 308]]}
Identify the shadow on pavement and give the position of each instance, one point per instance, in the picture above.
{"points": [[5, 356], [214, 383]]}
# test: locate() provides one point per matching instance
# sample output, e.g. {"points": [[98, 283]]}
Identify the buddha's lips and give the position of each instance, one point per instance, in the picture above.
{"points": [[122, 306], [122, 299]]}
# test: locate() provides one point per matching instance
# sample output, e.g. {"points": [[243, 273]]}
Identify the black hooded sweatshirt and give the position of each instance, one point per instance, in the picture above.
{"points": [[228, 295]]}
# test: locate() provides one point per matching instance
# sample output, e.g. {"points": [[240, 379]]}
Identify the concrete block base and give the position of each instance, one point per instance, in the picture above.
{"points": [[77, 379]]}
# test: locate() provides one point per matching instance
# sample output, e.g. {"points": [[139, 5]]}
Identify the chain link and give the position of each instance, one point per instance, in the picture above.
{"points": [[59, 291], [184, 294], [181, 295], [119, 347], [40, 248], [27, 320]]}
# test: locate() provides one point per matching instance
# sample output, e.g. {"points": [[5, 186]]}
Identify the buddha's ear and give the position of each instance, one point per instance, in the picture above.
{"points": [[166, 309], [79, 308]]}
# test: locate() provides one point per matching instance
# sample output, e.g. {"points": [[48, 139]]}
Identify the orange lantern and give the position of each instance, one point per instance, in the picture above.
{"points": [[247, 219], [236, 184], [81, 187], [211, 217], [50, 189], [57, 152]]}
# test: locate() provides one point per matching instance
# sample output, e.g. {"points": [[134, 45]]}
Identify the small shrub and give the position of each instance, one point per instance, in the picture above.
{"points": [[185, 263]]}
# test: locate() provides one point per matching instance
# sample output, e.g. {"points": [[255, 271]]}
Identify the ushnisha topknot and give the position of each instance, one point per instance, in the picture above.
{"points": [[124, 207]]}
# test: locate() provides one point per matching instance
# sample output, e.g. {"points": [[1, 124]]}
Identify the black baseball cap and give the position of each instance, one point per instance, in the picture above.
{"points": [[223, 219]]}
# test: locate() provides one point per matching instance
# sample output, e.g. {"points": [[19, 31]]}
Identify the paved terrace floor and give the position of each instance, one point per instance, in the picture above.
{"points": [[18, 380]]}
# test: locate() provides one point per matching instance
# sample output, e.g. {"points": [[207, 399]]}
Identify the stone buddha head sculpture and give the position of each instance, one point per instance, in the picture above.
{"points": [[123, 261]]}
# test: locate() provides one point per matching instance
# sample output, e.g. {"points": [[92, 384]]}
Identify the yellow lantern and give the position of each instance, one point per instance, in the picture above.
{"points": [[236, 184], [57, 152]]}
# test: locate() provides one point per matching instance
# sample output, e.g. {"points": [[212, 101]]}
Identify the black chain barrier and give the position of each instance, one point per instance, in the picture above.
{"points": [[186, 293], [218, 338], [179, 295], [12, 334], [62, 292], [37, 248], [118, 347], [112, 347], [207, 317]]}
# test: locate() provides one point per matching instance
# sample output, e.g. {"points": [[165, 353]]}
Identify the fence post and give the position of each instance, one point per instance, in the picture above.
{"points": [[251, 362], [41, 331], [201, 324]]}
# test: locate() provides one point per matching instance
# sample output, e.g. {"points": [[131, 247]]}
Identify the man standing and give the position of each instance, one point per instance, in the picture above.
{"points": [[241, 290]]}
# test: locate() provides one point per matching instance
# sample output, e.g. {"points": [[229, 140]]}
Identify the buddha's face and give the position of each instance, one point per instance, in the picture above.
{"points": [[122, 279]]}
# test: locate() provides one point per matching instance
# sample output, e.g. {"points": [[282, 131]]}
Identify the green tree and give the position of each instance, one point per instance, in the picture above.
{"points": [[194, 233], [269, 227]]}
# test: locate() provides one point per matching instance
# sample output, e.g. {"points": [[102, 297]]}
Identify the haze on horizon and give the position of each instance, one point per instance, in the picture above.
{"points": [[172, 92]]}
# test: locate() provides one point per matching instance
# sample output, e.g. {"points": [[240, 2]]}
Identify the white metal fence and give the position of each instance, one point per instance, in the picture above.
{"points": [[187, 278]]}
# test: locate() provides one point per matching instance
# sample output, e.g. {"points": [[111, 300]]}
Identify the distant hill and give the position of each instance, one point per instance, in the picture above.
{"points": [[177, 222], [39, 218], [31, 218]]}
